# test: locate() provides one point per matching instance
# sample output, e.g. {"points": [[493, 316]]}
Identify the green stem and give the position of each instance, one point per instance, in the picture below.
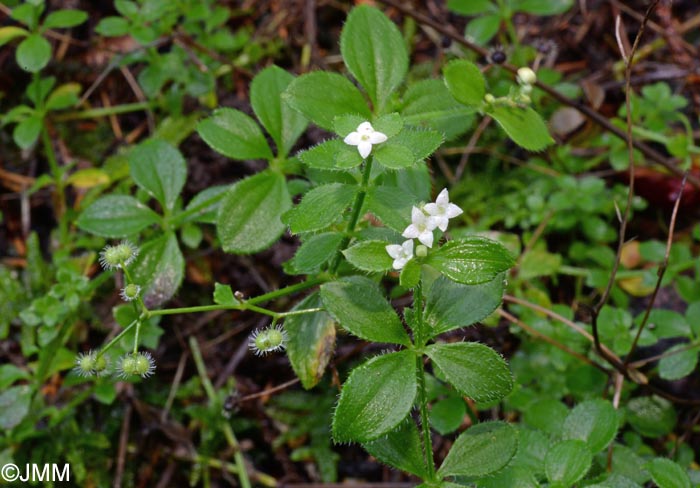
{"points": [[130, 280], [245, 305], [103, 111], [60, 202], [116, 338], [197, 208], [420, 339], [213, 399], [355, 215]]}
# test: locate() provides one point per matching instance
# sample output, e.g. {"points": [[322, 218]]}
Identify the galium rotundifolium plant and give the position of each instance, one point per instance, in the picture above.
{"points": [[366, 214]]}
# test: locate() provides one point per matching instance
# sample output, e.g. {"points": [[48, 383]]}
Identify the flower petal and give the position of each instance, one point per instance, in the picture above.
{"points": [[411, 232], [407, 247], [431, 208], [426, 238], [364, 147], [365, 127], [441, 222], [394, 250], [453, 211], [443, 198], [399, 263], [377, 137], [353, 139], [417, 216]]}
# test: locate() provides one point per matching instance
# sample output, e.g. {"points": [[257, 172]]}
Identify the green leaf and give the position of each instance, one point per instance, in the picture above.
{"points": [[482, 29], [376, 397], [249, 215], [311, 341], [27, 131], [116, 216], [446, 415], [359, 307], [465, 82], [113, 27], [374, 52], [523, 125], [370, 256], [328, 154], [543, 7], [159, 169], [429, 104], [401, 449], [63, 19], [410, 274], [223, 295], [470, 7], [547, 415], [315, 251], [421, 142], [9, 373], [567, 462], [14, 406], [207, 214], [452, 305], [234, 134], [284, 124], [678, 362], [472, 260], [667, 474], [651, 416], [322, 96], [475, 370], [483, 449], [159, 269], [391, 205], [320, 207], [33, 53], [10, 32], [64, 96], [394, 156], [594, 422]]}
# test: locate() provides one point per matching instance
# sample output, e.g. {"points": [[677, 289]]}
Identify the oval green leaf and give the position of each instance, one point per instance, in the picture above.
{"points": [[475, 370], [283, 123], [116, 216], [667, 474], [234, 134], [374, 52], [594, 422], [451, 305], [159, 270], [377, 396], [322, 96], [401, 449], [63, 19], [568, 462], [465, 82], [472, 260], [249, 215], [311, 341], [361, 309], [483, 449], [33, 53], [320, 207], [159, 169], [523, 125], [370, 256]]}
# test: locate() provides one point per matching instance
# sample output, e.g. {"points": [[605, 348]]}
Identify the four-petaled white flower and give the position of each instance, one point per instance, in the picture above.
{"points": [[364, 137], [442, 210], [421, 227], [401, 254]]}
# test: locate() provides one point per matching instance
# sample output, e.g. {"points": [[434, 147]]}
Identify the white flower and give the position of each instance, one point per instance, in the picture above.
{"points": [[442, 210], [364, 137], [401, 254], [526, 76], [421, 227]]}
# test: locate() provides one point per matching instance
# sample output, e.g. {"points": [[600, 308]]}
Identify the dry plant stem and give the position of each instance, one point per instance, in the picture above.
{"points": [[660, 275], [485, 122], [629, 59], [514, 320], [269, 391], [589, 112], [123, 443], [658, 357]]}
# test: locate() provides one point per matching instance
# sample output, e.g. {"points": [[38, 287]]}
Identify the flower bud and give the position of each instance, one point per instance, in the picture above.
{"points": [[421, 251], [526, 76], [488, 98]]}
